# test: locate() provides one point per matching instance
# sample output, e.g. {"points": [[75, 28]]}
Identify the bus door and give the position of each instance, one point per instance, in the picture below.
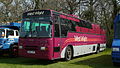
{"points": [[57, 41], [60, 34]]}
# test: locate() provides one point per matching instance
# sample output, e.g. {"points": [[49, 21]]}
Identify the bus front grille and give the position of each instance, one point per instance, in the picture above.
{"points": [[31, 47]]}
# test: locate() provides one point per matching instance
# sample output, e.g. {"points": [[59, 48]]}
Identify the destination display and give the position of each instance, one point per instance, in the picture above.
{"points": [[36, 13]]}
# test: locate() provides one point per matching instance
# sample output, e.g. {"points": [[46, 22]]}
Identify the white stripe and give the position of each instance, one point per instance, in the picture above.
{"points": [[83, 49]]}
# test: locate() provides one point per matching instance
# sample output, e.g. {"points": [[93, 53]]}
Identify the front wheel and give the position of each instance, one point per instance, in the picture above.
{"points": [[68, 53], [13, 51]]}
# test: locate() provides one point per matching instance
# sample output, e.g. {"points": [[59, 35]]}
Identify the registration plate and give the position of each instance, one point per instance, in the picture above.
{"points": [[31, 52]]}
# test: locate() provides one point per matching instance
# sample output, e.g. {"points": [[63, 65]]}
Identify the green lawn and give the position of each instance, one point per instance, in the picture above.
{"points": [[101, 60]]}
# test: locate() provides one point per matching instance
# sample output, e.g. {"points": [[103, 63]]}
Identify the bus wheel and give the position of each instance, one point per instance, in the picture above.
{"points": [[98, 49], [68, 53], [1, 54], [116, 64], [13, 52]]}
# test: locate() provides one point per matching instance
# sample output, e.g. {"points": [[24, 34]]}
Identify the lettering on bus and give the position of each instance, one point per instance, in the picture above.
{"points": [[80, 38], [35, 13], [70, 18]]}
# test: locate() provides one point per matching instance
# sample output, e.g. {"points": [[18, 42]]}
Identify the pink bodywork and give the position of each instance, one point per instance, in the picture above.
{"points": [[50, 43], [83, 36]]}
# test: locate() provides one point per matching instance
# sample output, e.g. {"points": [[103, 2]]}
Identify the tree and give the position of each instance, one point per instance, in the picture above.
{"points": [[89, 11], [70, 6], [5, 10]]}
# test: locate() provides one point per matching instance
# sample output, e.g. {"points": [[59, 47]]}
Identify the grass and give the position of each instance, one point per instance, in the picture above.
{"points": [[101, 60]]}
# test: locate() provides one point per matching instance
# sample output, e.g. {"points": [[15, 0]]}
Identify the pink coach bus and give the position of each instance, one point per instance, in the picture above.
{"points": [[47, 34]]}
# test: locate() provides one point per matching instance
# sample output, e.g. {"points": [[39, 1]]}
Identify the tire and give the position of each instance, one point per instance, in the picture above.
{"points": [[13, 51], [1, 54], [116, 64], [98, 49], [68, 53]]}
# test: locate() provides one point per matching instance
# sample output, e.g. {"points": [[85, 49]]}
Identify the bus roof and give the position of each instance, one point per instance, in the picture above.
{"points": [[37, 13], [47, 13], [12, 25]]}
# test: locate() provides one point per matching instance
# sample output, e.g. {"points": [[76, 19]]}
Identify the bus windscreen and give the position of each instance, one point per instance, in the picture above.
{"points": [[35, 29]]}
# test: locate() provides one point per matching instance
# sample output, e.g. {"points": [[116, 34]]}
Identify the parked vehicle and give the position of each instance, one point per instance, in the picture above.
{"points": [[116, 41], [48, 34], [9, 35]]}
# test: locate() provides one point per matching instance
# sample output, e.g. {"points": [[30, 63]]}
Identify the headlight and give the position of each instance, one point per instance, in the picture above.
{"points": [[43, 48], [20, 47], [115, 49], [1, 46]]}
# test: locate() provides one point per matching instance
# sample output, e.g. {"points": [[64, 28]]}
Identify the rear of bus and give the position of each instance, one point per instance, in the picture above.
{"points": [[36, 35]]}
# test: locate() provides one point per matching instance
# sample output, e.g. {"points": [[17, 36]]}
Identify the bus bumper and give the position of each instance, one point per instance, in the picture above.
{"points": [[46, 55], [116, 57]]}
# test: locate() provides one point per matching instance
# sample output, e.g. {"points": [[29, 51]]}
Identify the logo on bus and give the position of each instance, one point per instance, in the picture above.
{"points": [[80, 38]]}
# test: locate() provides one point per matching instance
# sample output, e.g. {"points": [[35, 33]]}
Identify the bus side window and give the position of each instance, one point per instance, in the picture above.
{"points": [[69, 25], [73, 25], [56, 31], [64, 30]]}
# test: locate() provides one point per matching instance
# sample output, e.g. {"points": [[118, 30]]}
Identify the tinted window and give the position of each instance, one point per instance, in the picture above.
{"points": [[88, 25], [64, 30], [56, 19], [70, 25], [73, 24], [35, 28], [56, 31], [84, 24]]}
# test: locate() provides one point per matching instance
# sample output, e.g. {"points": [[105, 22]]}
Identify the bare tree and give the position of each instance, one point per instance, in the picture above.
{"points": [[70, 6]]}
